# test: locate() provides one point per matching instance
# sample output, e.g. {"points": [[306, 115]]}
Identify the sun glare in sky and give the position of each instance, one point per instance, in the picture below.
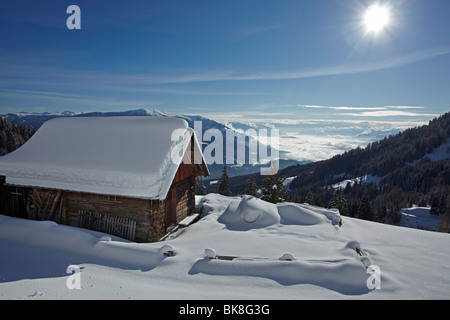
{"points": [[376, 18]]}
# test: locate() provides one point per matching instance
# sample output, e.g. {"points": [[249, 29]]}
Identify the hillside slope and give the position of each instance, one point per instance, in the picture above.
{"points": [[242, 248]]}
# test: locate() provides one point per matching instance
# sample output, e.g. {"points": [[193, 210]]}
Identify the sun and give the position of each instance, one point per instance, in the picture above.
{"points": [[376, 18]]}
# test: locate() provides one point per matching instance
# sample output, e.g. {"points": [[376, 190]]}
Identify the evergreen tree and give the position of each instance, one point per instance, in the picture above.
{"points": [[339, 202], [333, 202], [366, 209], [444, 223], [12, 136], [251, 188], [442, 204], [435, 206], [224, 187], [199, 186], [353, 208], [273, 189]]}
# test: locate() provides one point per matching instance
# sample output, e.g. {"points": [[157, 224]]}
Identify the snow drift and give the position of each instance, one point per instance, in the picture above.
{"points": [[241, 248], [345, 276], [250, 212], [45, 249]]}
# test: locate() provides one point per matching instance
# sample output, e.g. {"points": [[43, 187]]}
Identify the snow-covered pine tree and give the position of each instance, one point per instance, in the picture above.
{"points": [[366, 209], [12, 136], [224, 186], [199, 186], [273, 189], [438, 205], [251, 188], [339, 202]]}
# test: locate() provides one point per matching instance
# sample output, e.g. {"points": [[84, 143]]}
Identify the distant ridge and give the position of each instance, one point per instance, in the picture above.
{"points": [[35, 120]]}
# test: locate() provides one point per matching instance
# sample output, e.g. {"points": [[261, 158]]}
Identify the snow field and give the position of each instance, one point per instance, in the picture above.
{"points": [[241, 248], [347, 275], [418, 217]]}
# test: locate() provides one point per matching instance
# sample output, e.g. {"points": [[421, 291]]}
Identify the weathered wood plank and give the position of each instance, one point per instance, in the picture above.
{"points": [[117, 226], [189, 220]]}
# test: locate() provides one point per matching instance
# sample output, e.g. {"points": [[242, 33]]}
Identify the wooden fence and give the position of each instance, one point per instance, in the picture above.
{"points": [[118, 226]]}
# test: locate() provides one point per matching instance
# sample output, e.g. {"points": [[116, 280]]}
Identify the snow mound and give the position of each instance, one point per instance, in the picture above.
{"points": [[362, 255], [287, 257], [346, 276], [129, 255], [292, 213], [215, 203], [53, 247], [354, 244], [210, 253], [257, 211], [250, 212], [167, 250], [331, 214]]}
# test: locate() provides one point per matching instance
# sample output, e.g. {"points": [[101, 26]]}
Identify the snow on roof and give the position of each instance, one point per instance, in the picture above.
{"points": [[122, 156]]}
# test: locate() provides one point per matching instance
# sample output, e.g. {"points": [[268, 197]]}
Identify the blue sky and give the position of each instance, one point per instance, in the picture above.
{"points": [[270, 60]]}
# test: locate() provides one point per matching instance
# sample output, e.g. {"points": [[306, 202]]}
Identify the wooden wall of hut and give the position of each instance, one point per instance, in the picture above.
{"points": [[152, 218]]}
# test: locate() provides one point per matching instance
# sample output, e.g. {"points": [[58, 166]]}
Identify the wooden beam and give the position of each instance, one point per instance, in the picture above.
{"points": [[55, 204]]}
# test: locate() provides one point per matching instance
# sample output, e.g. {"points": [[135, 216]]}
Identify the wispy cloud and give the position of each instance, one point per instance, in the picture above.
{"points": [[389, 113], [245, 116], [32, 75], [340, 107], [49, 84], [41, 98], [36, 93], [385, 111], [343, 69], [405, 107]]}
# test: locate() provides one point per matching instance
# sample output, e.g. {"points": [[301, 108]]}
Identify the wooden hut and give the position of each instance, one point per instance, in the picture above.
{"points": [[133, 177]]}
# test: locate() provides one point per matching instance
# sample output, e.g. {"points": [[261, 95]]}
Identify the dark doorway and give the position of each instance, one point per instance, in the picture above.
{"points": [[14, 202], [171, 214]]}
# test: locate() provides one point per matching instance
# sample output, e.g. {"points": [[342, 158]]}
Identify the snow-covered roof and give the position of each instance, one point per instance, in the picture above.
{"points": [[122, 156]]}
